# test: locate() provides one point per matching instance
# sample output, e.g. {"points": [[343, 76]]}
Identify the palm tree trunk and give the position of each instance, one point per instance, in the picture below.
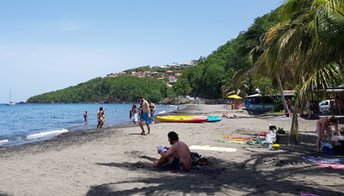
{"points": [[309, 113], [285, 105], [294, 131]]}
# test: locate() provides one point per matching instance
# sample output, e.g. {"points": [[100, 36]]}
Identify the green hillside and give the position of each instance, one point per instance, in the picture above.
{"points": [[119, 89]]}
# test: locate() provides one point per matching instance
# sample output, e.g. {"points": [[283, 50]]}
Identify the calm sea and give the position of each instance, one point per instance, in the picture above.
{"points": [[25, 123]]}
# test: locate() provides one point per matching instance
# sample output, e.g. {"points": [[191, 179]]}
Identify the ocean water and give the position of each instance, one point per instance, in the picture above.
{"points": [[25, 123]]}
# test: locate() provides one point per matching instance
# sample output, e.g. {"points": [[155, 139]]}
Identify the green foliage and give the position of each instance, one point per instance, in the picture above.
{"points": [[182, 87], [109, 90], [265, 86]]}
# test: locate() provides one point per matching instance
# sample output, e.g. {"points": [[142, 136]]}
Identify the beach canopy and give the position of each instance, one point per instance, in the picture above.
{"points": [[234, 97]]}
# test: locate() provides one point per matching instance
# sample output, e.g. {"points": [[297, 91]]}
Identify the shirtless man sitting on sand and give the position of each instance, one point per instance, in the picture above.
{"points": [[180, 153]]}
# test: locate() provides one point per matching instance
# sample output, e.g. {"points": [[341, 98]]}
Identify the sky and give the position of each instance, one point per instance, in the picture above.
{"points": [[47, 45]]}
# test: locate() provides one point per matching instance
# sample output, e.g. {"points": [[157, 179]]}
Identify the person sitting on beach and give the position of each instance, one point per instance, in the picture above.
{"points": [[144, 116], [324, 125], [227, 115], [179, 152]]}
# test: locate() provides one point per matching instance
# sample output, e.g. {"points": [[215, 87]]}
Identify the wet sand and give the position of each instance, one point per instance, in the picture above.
{"points": [[116, 161]]}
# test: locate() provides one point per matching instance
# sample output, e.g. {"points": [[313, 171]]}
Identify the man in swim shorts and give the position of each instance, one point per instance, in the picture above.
{"points": [[145, 115], [180, 153]]}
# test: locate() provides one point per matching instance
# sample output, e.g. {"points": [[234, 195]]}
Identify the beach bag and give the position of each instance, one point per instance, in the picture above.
{"points": [[327, 148], [271, 137], [197, 159]]}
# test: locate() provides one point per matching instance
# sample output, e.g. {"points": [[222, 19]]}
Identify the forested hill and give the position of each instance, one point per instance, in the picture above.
{"points": [[119, 89]]}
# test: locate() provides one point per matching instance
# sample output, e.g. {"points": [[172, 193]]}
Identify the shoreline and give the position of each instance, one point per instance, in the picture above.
{"points": [[71, 137], [50, 134], [114, 161]]}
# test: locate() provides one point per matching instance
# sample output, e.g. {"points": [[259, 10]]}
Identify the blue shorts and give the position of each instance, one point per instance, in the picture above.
{"points": [[144, 116]]}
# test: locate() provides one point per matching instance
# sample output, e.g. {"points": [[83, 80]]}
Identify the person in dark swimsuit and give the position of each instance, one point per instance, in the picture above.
{"points": [[101, 118], [85, 117]]}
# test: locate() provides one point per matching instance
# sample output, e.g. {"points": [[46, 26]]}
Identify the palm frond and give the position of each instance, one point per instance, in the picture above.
{"points": [[322, 78]]}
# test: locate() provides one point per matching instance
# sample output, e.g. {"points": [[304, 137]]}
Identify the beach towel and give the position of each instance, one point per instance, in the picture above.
{"points": [[323, 162], [332, 166], [308, 194], [237, 138], [230, 141], [207, 147]]}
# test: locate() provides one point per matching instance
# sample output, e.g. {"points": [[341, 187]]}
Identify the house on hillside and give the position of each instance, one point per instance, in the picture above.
{"points": [[172, 79], [112, 75], [170, 73]]}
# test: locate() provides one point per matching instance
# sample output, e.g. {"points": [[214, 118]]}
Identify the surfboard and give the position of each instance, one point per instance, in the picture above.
{"points": [[214, 119], [183, 119], [206, 147]]}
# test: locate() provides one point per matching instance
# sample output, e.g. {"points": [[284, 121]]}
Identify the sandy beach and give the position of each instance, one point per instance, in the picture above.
{"points": [[116, 161]]}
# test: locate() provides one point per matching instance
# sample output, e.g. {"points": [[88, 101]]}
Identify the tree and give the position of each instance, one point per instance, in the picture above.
{"points": [[306, 40], [182, 87]]}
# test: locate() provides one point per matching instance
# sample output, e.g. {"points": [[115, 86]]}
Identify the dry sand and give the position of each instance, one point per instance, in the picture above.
{"points": [[115, 162]]}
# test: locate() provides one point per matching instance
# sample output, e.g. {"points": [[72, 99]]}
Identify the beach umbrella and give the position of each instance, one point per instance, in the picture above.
{"points": [[234, 97]]}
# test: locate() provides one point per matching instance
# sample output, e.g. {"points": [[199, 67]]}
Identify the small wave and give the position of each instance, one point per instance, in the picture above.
{"points": [[46, 134], [162, 112], [3, 141]]}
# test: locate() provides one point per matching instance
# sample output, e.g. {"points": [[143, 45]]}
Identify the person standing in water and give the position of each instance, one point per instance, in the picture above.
{"points": [[144, 116], [101, 118], [85, 117]]}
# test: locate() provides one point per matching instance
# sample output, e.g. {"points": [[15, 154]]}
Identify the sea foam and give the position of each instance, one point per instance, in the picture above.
{"points": [[46, 134], [3, 141]]}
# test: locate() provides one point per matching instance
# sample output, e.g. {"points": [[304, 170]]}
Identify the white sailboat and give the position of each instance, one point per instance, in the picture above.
{"points": [[11, 103]]}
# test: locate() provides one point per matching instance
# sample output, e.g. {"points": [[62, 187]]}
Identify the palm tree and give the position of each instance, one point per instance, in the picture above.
{"points": [[308, 40]]}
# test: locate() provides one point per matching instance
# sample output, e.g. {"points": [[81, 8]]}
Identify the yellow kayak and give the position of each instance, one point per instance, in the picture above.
{"points": [[184, 119]]}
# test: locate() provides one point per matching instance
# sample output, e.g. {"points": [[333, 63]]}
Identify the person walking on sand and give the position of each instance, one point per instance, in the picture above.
{"points": [[85, 117], [101, 118], [179, 151], [324, 125], [144, 116]]}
